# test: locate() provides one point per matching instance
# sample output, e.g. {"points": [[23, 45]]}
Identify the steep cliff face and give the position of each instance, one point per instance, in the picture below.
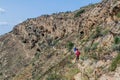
{"points": [[41, 47]]}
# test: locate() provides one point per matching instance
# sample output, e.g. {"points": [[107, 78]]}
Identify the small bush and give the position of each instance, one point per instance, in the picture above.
{"points": [[1, 74], [115, 62], [71, 72], [84, 57], [89, 70], [79, 13], [116, 47], [55, 42], [74, 71], [97, 33], [87, 49], [94, 46], [68, 12], [98, 29], [117, 40], [54, 77], [94, 56], [37, 54], [105, 32], [70, 45], [118, 15]]}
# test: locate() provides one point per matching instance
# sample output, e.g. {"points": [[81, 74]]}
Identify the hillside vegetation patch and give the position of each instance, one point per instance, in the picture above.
{"points": [[79, 13]]}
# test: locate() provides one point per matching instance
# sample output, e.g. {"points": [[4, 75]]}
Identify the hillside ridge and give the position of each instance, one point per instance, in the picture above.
{"points": [[41, 48]]}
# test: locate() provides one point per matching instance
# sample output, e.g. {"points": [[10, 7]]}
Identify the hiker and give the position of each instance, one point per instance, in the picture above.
{"points": [[77, 53]]}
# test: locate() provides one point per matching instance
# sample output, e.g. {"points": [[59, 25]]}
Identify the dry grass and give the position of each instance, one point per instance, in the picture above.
{"points": [[25, 74]]}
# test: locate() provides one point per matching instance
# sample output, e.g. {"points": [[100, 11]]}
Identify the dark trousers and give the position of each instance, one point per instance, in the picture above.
{"points": [[77, 58]]}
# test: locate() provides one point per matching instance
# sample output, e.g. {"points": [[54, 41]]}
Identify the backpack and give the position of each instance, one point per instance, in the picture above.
{"points": [[75, 49]]}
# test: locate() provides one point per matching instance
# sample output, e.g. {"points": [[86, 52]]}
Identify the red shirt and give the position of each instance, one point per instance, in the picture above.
{"points": [[77, 53]]}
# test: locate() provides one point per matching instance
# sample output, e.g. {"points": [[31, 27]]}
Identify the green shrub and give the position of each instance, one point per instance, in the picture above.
{"points": [[68, 12], [37, 54], [116, 47], [105, 32], [55, 42], [87, 49], [115, 62], [84, 57], [79, 13], [74, 71], [118, 15], [97, 33], [54, 77], [1, 73], [70, 45], [94, 46], [94, 56], [71, 72], [98, 29], [117, 40]]}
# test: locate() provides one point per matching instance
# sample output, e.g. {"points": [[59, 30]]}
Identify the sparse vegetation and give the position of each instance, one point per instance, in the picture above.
{"points": [[89, 70], [55, 42], [37, 54], [71, 73], [74, 71], [115, 62], [97, 33], [87, 49], [94, 56], [105, 32], [1, 73], [84, 57], [117, 40], [68, 12], [53, 77], [70, 45], [79, 13], [116, 45], [118, 15], [94, 46]]}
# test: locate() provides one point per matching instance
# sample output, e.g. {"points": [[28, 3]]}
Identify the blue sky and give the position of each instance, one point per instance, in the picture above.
{"points": [[13, 12]]}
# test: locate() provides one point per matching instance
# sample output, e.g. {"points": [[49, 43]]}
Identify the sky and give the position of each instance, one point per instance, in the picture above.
{"points": [[13, 12]]}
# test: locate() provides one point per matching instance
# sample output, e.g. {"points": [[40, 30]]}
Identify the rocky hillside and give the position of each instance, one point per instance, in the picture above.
{"points": [[41, 48]]}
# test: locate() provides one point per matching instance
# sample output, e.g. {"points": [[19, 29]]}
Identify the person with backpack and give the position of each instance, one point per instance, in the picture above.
{"points": [[77, 53]]}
